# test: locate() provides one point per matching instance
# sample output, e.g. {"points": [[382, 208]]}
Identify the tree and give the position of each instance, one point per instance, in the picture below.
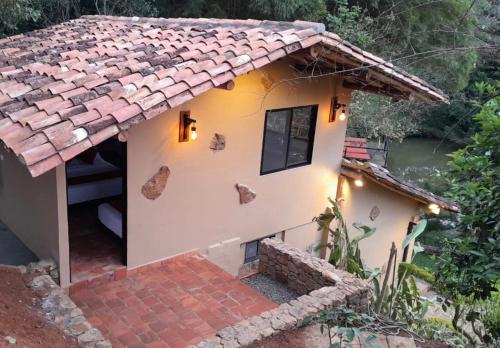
{"points": [[469, 267]]}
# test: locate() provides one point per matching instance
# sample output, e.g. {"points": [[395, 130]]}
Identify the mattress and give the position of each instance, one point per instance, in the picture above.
{"points": [[91, 185], [110, 217], [93, 190], [77, 167]]}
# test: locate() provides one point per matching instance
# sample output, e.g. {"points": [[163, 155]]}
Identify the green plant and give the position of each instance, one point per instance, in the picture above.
{"points": [[439, 329], [396, 295], [416, 271], [344, 250], [489, 316], [344, 325], [469, 267]]}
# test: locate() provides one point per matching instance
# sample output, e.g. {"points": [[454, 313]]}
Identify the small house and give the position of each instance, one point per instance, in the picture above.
{"points": [[126, 141]]}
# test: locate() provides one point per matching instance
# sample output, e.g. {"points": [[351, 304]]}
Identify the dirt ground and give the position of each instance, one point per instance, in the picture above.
{"points": [[22, 319]]}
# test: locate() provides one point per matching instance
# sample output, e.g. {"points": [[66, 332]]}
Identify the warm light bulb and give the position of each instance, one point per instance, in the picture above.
{"points": [[342, 115], [358, 183], [434, 208], [194, 134]]}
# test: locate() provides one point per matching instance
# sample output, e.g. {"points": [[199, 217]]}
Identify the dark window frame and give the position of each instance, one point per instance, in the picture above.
{"points": [[289, 121], [256, 257]]}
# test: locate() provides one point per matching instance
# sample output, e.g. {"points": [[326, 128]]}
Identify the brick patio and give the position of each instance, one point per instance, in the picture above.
{"points": [[177, 303], [94, 250]]}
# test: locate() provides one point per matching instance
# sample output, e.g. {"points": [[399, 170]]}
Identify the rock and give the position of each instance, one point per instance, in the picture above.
{"points": [[155, 186], [103, 344], [65, 302], [211, 342], [44, 281], [400, 342], [92, 335], [10, 340], [227, 333], [246, 195], [218, 142], [229, 343]]}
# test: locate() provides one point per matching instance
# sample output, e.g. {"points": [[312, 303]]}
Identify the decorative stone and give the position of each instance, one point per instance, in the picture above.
{"points": [[374, 213], [155, 186], [246, 195], [218, 142]]}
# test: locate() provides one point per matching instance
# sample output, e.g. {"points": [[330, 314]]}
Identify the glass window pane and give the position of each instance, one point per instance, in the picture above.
{"points": [[299, 136], [275, 140], [251, 251]]}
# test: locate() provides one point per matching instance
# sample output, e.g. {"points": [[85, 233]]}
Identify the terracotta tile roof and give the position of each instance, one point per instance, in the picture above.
{"points": [[73, 85], [356, 148], [383, 177]]}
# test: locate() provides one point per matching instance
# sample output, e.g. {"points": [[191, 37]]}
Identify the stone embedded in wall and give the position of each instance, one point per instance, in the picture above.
{"points": [[374, 213], [218, 142], [155, 186], [246, 195]]}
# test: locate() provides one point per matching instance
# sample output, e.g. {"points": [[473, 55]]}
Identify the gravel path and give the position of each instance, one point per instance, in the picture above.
{"points": [[277, 292]]}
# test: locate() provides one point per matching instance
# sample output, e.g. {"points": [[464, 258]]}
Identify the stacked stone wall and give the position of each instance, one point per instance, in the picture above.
{"points": [[321, 285]]}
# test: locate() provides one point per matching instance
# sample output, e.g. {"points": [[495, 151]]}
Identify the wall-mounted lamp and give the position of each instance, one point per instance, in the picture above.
{"points": [[358, 182], [187, 129], [434, 208], [334, 108]]}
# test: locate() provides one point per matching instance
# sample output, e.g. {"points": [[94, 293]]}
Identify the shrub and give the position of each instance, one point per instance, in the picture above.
{"points": [[416, 271], [490, 316]]}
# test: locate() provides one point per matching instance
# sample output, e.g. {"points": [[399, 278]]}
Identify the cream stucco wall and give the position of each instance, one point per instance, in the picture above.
{"points": [[396, 212], [200, 206], [35, 209]]}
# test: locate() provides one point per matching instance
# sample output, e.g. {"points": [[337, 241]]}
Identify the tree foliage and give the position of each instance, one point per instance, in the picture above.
{"points": [[469, 268], [429, 38]]}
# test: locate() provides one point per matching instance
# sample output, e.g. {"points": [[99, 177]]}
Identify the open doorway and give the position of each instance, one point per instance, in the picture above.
{"points": [[97, 199]]}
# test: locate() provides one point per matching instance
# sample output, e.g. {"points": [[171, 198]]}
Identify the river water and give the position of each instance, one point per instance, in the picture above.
{"points": [[415, 159]]}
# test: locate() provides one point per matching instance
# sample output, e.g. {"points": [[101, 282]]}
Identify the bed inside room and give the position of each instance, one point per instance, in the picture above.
{"points": [[96, 202]]}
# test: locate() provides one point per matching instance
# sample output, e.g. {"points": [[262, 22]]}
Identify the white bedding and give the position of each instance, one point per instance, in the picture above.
{"points": [[77, 167], [93, 190], [111, 218]]}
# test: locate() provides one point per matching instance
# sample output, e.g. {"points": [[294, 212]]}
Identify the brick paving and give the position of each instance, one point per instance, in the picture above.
{"points": [[172, 304], [94, 250]]}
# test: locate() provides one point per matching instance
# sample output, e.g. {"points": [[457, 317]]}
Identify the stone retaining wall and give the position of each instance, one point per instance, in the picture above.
{"points": [[60, 308], [321, 285]]}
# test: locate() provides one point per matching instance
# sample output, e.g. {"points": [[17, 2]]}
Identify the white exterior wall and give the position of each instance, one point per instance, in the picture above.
{"points": [[396, 212], [35, 210], [200, 210]]}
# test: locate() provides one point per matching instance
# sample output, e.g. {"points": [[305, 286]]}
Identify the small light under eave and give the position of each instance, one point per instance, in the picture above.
{"points": [[342, 115], [194, 134], [434, 208], [358, 183], [187, 128]]}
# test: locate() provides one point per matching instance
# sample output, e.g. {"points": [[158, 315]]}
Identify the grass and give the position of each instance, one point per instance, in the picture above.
{"points": [[425, 261]]}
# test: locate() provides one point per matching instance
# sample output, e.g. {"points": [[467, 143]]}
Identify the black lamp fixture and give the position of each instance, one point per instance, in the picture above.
{"points": [[187, 128], [334, 108]]}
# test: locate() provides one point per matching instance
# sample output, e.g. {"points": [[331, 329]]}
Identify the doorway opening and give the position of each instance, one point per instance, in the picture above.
{"points": [[97, 210]]}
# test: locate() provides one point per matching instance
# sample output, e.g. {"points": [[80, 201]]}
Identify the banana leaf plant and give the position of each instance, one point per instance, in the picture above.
{"points": [[344, 250], [399, 298]]}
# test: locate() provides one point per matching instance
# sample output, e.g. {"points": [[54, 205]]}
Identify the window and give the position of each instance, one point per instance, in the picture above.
{"points": [[252, 249], [288, 138]]}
